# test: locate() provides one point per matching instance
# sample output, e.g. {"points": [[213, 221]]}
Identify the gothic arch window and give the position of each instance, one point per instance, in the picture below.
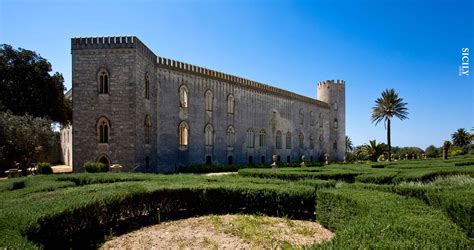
{"points": [[104, 160], [262, 138], [209, 135], [230, 104], [147, 86], [288, 140], [103, 81], [321, 120], [147, 129], [335, 106], [311, 141], [301, 116], [103, 130], [301, 139], [209, 99], [183, 134], [335, 125], [278, 141], [311, 118], [183, 96], [230, 136], [250, 138]]}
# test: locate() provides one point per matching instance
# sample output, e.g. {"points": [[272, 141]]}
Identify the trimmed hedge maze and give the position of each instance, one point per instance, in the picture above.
{"points": [[419, 204]]}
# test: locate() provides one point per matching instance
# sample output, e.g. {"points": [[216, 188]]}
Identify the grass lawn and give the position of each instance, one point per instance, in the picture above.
{"points": [[405, 204]]}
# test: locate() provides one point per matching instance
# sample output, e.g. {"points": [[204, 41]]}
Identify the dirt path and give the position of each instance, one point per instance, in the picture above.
{"points": [[224, 232]]}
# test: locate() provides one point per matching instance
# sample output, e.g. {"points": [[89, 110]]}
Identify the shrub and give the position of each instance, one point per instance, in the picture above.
{"points": [[95, 167], [372, 219], [44, 168], [465, 163], [455, 151], [208, 168]]}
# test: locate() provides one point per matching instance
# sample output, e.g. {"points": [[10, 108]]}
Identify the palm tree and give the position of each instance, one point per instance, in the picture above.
{"points": [[461, 138], [446, 146], [349, 145], [373, 150], [387, 107]]}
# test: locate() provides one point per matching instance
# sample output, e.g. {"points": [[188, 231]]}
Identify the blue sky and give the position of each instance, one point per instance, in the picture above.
{"points": [[412, 46]]}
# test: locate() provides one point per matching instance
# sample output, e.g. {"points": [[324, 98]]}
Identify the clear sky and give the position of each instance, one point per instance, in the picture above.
{"points": [[412, 46]]}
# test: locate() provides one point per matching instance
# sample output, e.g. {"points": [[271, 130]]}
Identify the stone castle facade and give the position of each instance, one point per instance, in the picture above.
{"points": [[152, 114]]}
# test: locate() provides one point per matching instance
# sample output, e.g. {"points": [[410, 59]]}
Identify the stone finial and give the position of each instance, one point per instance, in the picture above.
{"points": [[274, 159], [302, 161]]}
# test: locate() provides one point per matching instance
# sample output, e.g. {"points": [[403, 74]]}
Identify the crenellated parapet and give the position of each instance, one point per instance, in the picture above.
{"points": [[112, 42], [334, 82], [209, 73]]}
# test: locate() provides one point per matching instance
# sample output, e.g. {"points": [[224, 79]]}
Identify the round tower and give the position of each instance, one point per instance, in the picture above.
{"points": [[333, 93]]}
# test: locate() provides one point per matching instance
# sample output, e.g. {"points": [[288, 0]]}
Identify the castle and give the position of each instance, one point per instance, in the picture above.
{"points": [[153, 114]]}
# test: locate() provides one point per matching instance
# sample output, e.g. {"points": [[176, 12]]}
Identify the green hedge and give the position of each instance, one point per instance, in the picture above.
{"points": [[44, 168], [372, 219], [95, 167]]}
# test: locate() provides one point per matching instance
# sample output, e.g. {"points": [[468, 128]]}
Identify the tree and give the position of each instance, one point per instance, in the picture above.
{"points": [[461, 138], [446, 146], [28, 88], [432, 151], [386, 107], [373, 150], [23, 138], [349, 145]]}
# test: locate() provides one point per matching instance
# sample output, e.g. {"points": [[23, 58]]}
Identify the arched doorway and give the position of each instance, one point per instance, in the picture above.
{"points": [[288, 159], [262, 160], [230, 160], [250, 159], [105, 160], [208, 160]]}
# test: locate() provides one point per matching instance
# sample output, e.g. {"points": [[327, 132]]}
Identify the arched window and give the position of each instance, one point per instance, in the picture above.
{"points": [[208, 160], [250, 159], [335, 123], [278, 142], [183, 133], [288, 140], [230, 136], [209, 134], [334, 145], [301, 116], [262, 159], [103, 80], [230, 160], [104, 160], [288, 159], [147, 86], [209, 99], [250, 138], [335, 106], [262, 138], [321, 137], [311, 141], [321, 120], [103, 130], [230, 104], [311, 118], [147, 129], [183, 96], [301, 139]]}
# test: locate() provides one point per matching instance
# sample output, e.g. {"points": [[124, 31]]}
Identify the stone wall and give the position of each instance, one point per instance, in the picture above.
{"points": [[257, 106]]}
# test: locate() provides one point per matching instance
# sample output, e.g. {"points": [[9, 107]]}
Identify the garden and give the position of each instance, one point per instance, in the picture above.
{"points": [[403, 204]]}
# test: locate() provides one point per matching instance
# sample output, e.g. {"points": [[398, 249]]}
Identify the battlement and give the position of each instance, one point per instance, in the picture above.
{"points": [[208, 73], [335, 82], [112, 42]]}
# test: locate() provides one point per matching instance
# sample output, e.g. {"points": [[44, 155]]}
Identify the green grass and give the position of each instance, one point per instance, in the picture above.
{"points": [[405, 204]]}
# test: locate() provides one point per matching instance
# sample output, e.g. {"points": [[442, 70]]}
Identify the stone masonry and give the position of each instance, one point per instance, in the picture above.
{"points": [[316, 126]]}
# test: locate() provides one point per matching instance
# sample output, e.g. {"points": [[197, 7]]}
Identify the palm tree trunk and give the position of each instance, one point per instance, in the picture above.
{"points": [[388, 141]]}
